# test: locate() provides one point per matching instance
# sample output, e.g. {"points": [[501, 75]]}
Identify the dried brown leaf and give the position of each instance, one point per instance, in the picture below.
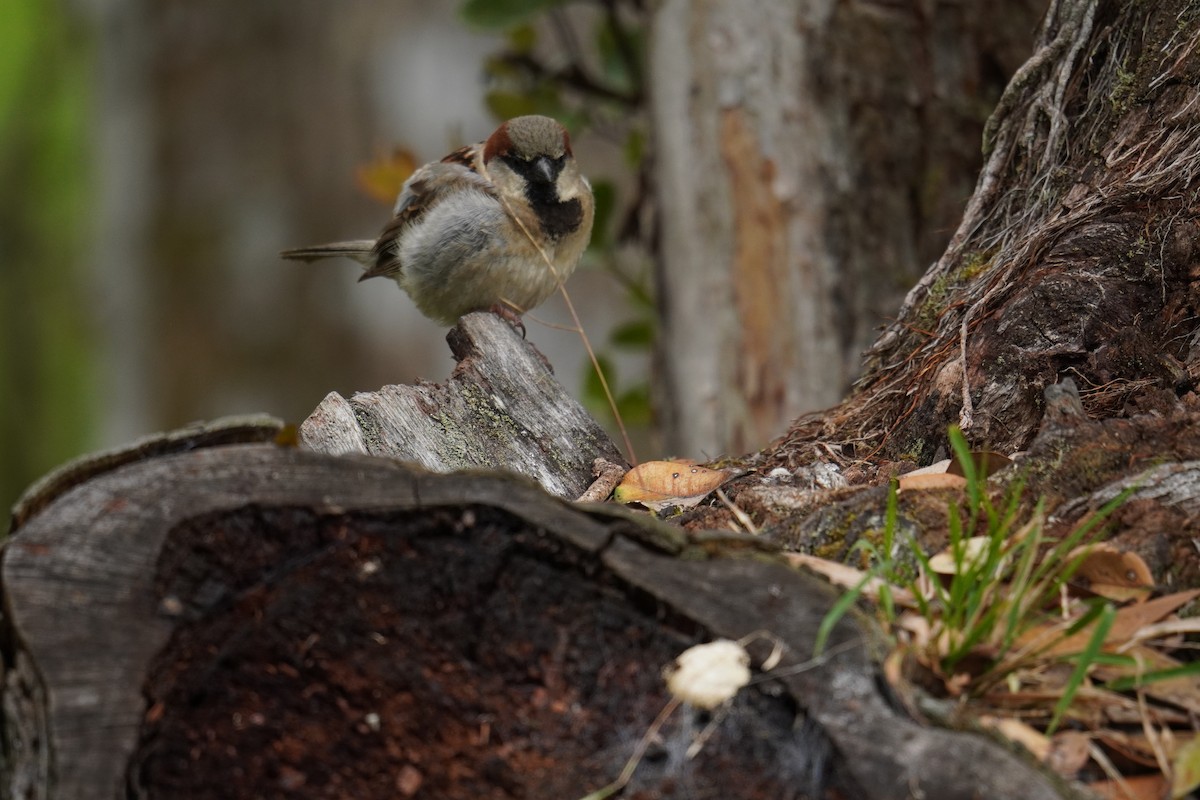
{"points": [[848, 577], [1126, 624], [1068, 752], [1092, 706], [936, 468], [1016, 731], [973, 550], [662, 484], [987, 462], [1182, 691], [1186, 768], [1109, 572], [930, 481], [1137, 748], [1139, 787]]}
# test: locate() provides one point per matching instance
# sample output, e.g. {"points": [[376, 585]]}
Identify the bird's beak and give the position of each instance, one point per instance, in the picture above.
{"points": [[544, 169]]}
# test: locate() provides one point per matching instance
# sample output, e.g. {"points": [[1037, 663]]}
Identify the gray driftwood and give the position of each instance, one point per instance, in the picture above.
{"points": [[501, 408]]}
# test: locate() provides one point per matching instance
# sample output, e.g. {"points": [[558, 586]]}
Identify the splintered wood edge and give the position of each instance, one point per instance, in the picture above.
{"points": [[501, 408]]}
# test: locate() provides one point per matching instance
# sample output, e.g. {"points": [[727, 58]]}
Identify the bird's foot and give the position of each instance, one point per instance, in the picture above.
{"points": [[510, 315]]}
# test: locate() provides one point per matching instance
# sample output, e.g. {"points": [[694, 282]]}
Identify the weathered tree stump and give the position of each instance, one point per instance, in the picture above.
{"points": [[260, 621], [500, 409]]}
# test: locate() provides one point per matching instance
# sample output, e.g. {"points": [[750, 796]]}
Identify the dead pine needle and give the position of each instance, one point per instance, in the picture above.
{"points": [[587, 344]]}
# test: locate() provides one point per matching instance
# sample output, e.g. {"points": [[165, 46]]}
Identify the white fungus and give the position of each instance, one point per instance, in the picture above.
{"points": [[707, 675]]}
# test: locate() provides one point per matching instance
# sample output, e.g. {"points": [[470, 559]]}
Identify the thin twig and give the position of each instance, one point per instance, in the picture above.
{"points": [[632, 764], [587, 344]]}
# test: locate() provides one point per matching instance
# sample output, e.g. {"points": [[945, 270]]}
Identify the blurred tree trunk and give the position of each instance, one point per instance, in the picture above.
{"points": [[811, 161]]}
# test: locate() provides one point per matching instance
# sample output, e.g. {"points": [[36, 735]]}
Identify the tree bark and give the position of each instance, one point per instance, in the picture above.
{"points": [[1075, 257], [260, 621], [809, 159]]}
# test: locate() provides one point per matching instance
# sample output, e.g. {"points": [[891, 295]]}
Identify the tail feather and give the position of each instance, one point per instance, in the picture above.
{"points": [[360, 250]]}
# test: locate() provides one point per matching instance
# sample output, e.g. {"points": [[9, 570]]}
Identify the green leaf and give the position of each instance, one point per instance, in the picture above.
{"points": [[962, 452], [635, 146], [636, 334], [500, 69], [621, 62], [506, 105], [500, 14], [634, 405], [522, 39], [605, 194], [837, 611], [890, 518], [593, 390], [1191, 670], [615, 68]]}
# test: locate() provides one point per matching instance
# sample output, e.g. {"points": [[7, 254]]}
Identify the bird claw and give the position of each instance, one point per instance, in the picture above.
{"points": [[510, 315]]}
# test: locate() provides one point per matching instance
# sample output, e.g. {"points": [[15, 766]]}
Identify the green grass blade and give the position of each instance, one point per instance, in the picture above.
{"points": [[1084, 662], [962, 452], [837, 611], [890, 517], [1191, 670]]}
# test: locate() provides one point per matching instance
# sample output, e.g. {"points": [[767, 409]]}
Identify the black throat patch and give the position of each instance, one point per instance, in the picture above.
{"points": [[556, 218]]}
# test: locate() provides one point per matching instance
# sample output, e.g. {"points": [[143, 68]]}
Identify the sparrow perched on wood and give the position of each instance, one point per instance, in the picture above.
{"points": [[469, 232]]}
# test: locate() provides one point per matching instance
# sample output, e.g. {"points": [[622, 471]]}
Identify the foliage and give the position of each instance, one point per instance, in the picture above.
{"points": [[999, 622], [45, 413], [1005, 576]]}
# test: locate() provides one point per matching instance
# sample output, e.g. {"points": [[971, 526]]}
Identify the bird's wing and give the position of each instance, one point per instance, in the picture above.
{"points": [[423, 190]]}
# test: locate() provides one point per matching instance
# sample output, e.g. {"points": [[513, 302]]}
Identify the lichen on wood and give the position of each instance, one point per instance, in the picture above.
{"points": [[501, 408]]}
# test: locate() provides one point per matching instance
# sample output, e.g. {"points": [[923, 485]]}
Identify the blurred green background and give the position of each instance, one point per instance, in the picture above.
{"points": [[46, 355]]}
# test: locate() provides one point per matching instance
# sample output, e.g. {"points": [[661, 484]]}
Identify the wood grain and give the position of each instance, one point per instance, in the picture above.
{"points": [[501, 408]]}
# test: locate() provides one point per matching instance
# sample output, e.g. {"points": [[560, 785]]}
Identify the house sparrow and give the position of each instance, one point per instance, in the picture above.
{"points": [[468, 229]]}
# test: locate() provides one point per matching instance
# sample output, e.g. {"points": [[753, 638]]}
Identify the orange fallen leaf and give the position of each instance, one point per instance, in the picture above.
{"points": [[926, 481], [662, 484], [382, 178]]}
